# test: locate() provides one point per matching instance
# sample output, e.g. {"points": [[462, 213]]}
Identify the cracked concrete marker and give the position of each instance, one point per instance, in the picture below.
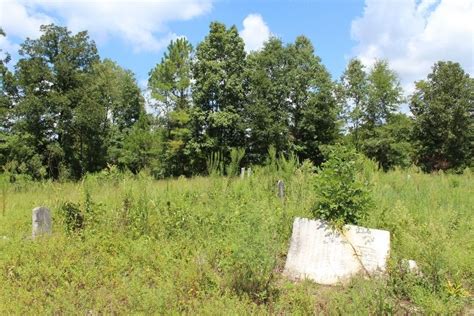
{"points": [[327, 256]]}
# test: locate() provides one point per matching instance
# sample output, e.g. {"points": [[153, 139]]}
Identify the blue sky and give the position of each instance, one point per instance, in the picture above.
{"points": [[410, 34]]}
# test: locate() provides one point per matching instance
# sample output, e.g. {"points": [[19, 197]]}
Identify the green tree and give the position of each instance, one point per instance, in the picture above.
{"points": [[355, 84], [117, 92], [141, 148], [442, 106], [170, 80], [290, 101], [343, 193], [5, 85], [390, 144], [379, 135], [312, 106], [384, 95], [170, 85], [55, 107], [266, 114], [371, 103], [7, 93], [219, 89]]}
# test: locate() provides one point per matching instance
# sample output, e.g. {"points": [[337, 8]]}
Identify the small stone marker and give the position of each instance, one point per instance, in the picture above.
{"points": [[326, 256], [242, 173], [249, 172], [42, 223], [411, 266], [281, 189]]}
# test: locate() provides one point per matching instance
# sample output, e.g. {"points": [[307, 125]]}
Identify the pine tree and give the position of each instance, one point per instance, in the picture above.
{"points": [[170, 85]]}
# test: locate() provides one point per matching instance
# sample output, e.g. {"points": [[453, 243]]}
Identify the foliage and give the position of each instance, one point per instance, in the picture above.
{"points": [[384, 95], [170, 81], [217, 246], [170, 85], [342, 196], [219, 87], [141, 148], [55, 104], [215, 164], [236, 155], [354, 86], [312, 107], [291, 105], [371, 101], [267, 109], [442, 106], [64, 112], [72, 217], [390, 144], [68, 106]]}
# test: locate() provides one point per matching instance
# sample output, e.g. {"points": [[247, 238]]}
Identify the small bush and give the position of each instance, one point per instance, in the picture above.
{"points": [[72, 216], [343, 197], [236, 156]]}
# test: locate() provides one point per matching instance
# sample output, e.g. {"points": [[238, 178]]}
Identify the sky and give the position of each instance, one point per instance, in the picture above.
{"points": [[411, 34]]}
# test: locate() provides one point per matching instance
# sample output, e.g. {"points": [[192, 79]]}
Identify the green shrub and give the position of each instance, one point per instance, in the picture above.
{"points": [[72, 216], [343, 196], [236, 156]]}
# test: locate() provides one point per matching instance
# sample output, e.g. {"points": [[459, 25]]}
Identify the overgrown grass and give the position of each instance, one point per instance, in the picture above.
{"points": [[217, 245]]}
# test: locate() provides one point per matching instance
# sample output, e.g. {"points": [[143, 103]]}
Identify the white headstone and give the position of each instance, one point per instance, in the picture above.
{"points": [[42, 223], [326, 256], [249, 172], [242, 173]]}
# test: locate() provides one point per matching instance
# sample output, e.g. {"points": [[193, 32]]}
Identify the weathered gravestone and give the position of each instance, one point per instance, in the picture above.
{"points": [[281, 189], [42, 223], [326, 256]]}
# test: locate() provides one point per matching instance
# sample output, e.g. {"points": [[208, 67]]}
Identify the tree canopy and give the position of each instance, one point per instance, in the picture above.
{"points": [[65, 112]]}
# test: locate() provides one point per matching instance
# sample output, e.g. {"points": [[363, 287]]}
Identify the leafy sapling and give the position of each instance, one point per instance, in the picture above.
{"points": [[343, 195]]}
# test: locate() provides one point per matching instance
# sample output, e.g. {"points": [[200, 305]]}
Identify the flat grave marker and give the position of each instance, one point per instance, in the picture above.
{"points": [[327, 256]]}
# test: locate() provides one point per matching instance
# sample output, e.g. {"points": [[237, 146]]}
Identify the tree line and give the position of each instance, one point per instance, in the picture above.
{"points": [[66, 112]]}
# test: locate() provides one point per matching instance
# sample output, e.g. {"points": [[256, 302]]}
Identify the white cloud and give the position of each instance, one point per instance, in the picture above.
{"points": [[414, 34], [255, 32], [143, 24], [17, 20]]}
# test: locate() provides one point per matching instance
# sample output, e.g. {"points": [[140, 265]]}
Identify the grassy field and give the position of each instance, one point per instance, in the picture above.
{"points": [[217, 245]]}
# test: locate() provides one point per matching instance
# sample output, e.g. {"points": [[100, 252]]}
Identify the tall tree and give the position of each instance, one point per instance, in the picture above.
{"points": [[312, 106], [266, 114], [170, 80], [118, 94], [384, 95], [170, 85], [219, 88], [7, 93], [371, 101], [443, 108], [56, 110], [141, 147], [355, 83]]}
